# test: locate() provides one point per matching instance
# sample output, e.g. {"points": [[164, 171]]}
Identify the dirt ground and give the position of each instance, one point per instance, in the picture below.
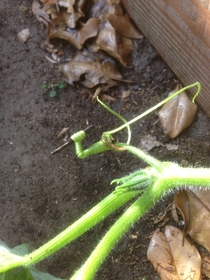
{"points": [[41, 194]]}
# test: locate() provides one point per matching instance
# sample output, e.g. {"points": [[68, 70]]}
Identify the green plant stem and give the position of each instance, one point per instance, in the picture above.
{"points": [[95, 215], [158, 165], [133, 213], [172, 176], [176, 176]]}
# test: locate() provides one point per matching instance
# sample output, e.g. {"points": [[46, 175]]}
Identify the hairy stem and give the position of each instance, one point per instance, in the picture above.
{"points": [[172, 176], [133, 213], [87, 221], [158, 165]]}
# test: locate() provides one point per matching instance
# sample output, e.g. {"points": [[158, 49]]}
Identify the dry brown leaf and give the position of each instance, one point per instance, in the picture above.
{"points": [[71, 12], [40, 13], [89, 29], [110, 2], [171, 259], [177, 114], [96, 68], [100, 9], [100, 89], [123, 26], [57, 29], [49, 2], [114, 44], [206, 265], [106, 97], [195, 209]]}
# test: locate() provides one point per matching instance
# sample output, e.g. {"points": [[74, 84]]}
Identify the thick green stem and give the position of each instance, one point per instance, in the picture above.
{"points": [[133, 213], [95, 215], [172, 176], [176, 176]]}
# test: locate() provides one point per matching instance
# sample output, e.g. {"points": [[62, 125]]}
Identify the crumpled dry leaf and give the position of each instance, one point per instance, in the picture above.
{"points": [[96, 68], [57, 29], [123, 26], [177, 114], [105, 21], [113, 25], [195, 209], [114, 44], [73, 11], [40, 13], [206, 265], [171, 259], [89, 29]]}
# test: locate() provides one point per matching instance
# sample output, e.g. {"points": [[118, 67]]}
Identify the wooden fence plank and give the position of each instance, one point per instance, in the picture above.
{"points": [[180, 32]]}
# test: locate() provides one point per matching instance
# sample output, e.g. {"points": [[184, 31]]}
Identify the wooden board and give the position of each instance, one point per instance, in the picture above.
{"points": [[180, 32]]}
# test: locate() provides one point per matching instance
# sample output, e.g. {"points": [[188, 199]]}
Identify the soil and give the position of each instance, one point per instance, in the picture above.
{"points": [[41, 194]]}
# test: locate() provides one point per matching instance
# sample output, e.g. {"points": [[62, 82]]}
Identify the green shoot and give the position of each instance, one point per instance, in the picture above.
{"points": [[149, 184], [53, 88]]}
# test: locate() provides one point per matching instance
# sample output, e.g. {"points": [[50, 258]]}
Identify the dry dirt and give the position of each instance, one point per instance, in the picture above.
{"points": [[41, 194]]}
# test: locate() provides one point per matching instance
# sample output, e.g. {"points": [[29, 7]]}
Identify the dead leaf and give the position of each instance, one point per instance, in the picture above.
{"points": [[106, 97], [100, 89], [96, 68], [57, 29], [123, 26], [73, 13], [110, 2], [40, 13], [89, 29], [114, 44], [195, 209], [171, 259], [177, 114], [206, 265]]}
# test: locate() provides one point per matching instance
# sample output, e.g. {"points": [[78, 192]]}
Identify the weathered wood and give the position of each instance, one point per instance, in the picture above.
{"points": [[180, 32]]}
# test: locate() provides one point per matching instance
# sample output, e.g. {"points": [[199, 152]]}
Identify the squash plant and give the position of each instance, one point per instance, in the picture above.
{"points": [[147, 185]]}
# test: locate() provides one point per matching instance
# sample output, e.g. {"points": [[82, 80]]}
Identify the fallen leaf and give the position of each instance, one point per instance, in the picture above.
{"points": [[114, 44], [171, 259], [123, 26], [89, 29], [40, 13], [110, 2], [177, 114], [206, 265], [57, 29], [49, 2], [195, 209], [73, 13], [100, 89], [95, 68]]}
